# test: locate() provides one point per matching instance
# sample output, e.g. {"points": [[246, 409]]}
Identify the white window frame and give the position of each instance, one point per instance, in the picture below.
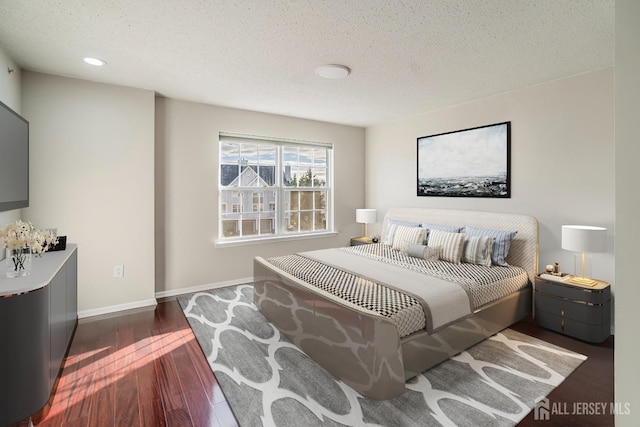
{"points": [[279, 188]]}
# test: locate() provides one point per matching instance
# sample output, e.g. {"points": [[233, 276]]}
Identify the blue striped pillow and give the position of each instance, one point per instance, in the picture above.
{"points": [[501, 242]]}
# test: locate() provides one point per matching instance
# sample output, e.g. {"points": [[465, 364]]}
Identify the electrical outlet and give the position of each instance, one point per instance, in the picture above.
{"points": [[118, 271]]}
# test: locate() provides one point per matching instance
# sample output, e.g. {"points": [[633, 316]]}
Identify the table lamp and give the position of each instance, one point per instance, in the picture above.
{"points": [[365, 216], [584, 238]]}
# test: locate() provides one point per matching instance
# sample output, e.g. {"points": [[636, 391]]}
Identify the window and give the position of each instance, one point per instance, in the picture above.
{"points": [[273, 188]]}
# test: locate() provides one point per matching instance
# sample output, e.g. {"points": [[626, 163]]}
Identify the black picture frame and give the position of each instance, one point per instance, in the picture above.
{"points": [[474, 162]]}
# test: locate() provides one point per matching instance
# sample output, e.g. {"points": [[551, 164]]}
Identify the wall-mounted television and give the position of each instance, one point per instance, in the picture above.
{"points": [[14, 160]]}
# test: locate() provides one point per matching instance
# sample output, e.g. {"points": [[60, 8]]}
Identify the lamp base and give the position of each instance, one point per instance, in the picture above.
{"points": [[584, 281]]}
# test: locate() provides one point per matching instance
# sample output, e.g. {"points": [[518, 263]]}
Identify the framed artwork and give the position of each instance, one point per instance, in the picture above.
{"points": [[466, 163]]}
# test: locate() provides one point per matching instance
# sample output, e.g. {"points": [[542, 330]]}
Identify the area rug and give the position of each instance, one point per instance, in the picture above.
{"points": [[270, 382]]}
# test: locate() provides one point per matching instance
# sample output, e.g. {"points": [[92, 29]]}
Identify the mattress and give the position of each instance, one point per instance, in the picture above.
{"points": [[482, 284]]}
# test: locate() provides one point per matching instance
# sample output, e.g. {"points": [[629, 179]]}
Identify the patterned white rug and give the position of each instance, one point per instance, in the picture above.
{"points": [[268, 381]]}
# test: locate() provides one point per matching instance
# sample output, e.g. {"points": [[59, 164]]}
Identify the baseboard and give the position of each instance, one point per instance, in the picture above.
{"points": [[116, 308], [162, 294], [205, 287]]}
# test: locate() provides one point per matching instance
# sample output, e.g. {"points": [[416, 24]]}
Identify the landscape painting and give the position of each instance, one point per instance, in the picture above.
{"points": [[466, 163]]}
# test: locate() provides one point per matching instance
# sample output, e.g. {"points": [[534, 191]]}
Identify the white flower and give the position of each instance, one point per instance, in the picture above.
{"points": [[24, 235]]}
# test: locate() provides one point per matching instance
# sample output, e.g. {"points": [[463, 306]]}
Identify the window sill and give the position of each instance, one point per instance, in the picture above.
{"points": [[260, 240]]}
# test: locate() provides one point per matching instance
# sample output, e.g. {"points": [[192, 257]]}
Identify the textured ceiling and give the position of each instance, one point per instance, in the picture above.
{"points": [[406, 57]]}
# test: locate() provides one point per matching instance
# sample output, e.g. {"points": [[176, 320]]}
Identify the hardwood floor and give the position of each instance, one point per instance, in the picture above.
{"points": [[145, 368], [141, 368], [590, 383]]}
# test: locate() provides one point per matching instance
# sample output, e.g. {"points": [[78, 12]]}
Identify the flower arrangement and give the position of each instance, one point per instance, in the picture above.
{"points": [[24, 235], [22, 239]]}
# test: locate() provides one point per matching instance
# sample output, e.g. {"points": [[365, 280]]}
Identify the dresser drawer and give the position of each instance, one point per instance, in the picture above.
{"points": [[592, 314], [584, 331]]}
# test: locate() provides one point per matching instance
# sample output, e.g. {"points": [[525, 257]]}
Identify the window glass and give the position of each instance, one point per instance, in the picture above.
{"points": [[272, 187]]}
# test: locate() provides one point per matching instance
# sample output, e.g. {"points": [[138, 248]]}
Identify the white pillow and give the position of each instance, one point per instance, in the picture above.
{"points": [[403, 236], [451, 245], [387, 237]]}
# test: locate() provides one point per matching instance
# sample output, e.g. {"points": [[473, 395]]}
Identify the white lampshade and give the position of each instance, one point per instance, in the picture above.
{"points": [[365, 216], [584, 238]]}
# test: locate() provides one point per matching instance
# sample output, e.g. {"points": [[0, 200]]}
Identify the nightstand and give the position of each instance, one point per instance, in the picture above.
{"points": [[583, 312], [355, 241]]}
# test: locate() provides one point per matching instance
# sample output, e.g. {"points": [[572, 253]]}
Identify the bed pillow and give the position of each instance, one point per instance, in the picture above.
{"points": [[451, 245], [501, 242], [403, 236], [441, 227], [387, 238], [423, 251], [477, 250]]}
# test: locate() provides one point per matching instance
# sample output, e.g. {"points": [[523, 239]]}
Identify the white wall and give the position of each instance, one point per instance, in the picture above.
{"points": [[187, 199], [92, 177], [10, 85], [562, 159], [627, 372], [93, 161]]}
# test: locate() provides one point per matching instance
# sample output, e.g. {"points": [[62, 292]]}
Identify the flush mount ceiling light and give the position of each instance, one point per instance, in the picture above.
{"points": [[333, 71], [94, 61]]}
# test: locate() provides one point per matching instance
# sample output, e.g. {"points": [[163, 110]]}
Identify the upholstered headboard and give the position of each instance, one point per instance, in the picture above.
{"points": [[523, 251]]}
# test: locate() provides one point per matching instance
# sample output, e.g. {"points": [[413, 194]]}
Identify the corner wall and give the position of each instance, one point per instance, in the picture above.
{"points": [[187, 196], [627, 371], [10, 85], [91, 177], [562, 159]]}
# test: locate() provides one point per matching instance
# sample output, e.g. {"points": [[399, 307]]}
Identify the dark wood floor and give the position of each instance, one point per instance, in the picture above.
{"points": [[591, 382], [142, 368], [145, 368]]}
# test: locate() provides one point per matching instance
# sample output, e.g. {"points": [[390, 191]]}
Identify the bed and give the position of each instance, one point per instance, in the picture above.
{"points": [[363, 345]]}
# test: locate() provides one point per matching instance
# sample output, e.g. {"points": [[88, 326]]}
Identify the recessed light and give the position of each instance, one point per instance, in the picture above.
{"points": [[95, 61], [333, 71]]}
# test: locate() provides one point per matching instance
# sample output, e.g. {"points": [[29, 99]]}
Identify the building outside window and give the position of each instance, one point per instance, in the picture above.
{"points": [[273, 187]]}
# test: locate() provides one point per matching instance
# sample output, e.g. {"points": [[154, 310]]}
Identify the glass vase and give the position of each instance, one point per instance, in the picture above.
{"points": [[18, 262]]}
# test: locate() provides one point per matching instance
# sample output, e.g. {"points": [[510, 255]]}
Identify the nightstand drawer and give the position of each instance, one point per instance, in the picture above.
{"points": [[572, 309], [580, 330], [579, 311], [575, 293]]}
